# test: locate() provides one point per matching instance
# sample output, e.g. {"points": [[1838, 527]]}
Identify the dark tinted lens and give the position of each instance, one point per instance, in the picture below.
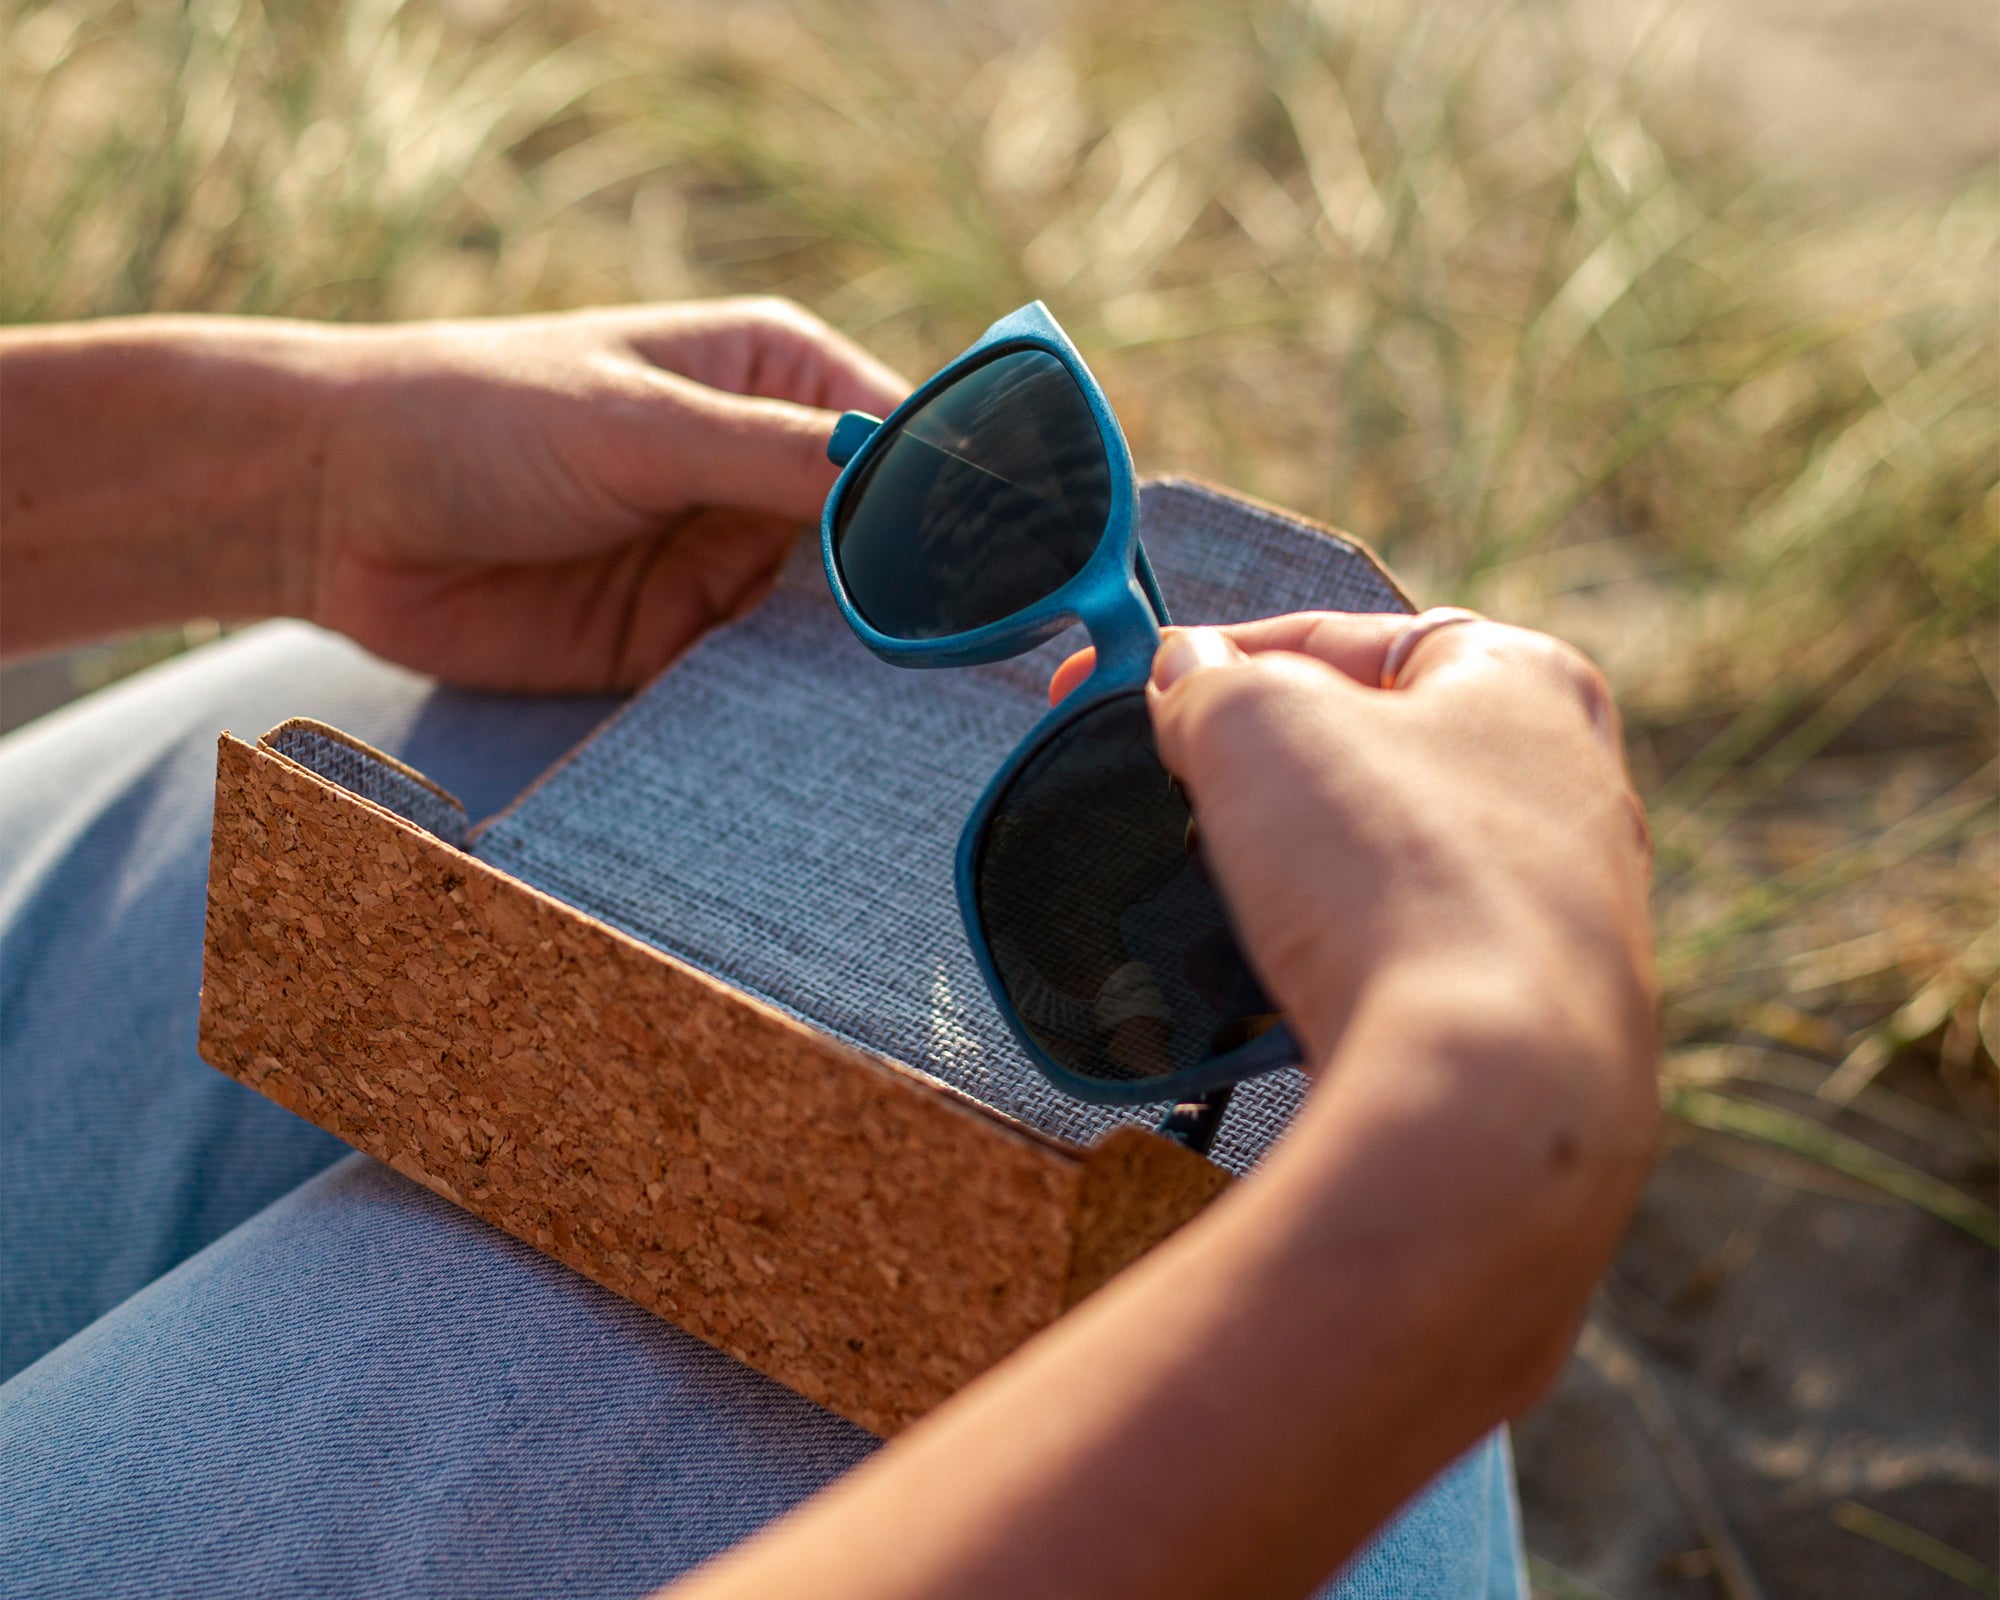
{"points": [[986, 500], [1111, 945]]}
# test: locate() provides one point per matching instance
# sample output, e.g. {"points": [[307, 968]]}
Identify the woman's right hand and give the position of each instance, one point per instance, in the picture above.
{"points": [[1475, 823], [1444, 887]]}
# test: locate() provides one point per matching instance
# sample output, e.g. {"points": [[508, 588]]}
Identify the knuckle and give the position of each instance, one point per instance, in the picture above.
{"points": [[1328, 631], [1591, 687], [1581, 671], [777, 311], [1570, 670], [1641, 826], [1550, 654]]}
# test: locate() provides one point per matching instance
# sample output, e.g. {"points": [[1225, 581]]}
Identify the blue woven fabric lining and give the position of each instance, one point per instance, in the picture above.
{"points": [[364, 772]]}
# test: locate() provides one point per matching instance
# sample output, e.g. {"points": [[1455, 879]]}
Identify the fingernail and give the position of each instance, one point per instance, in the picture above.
{"points": [[1189, 650]]}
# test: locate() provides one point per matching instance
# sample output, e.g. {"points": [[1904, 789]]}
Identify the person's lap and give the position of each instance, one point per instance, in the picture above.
{"points": [[252, 1372], [123, 1153]]}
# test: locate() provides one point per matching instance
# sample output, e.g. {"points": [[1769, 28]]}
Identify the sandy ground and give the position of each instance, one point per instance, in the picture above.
{"points": [[1772, 1350]]}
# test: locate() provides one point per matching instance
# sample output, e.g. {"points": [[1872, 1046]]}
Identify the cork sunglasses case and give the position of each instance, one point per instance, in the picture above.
{"points": [[695, 1015]]}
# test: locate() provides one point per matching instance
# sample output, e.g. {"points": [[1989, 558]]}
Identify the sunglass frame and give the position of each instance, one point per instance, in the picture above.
{"points": [[1118, 602]]}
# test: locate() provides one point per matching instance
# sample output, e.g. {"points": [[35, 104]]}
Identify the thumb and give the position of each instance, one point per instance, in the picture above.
{"points": [[711, 448], [1186, 651], [1193, 672], [1224, 718]]}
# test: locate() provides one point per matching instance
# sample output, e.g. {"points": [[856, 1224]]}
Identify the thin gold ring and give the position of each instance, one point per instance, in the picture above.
{"points": [[1420, 628]]}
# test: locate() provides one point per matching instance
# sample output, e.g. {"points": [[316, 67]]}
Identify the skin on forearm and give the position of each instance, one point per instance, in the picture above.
{"points": [[1237, 1413], [154, 469]]}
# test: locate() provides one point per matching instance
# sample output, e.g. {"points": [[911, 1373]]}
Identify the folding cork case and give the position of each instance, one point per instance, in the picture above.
{"points": [[695, 1017]]}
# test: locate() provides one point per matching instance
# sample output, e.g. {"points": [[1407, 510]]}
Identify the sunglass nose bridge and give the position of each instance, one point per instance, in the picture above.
{"points": [[850, 433], [1124, 629]]}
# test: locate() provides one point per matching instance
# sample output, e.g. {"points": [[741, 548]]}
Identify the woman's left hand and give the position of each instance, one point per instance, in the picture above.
{"points": [[553, 502], [566, 502]]}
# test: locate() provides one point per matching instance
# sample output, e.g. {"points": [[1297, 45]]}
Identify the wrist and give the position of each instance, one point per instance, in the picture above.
{"points": [[307, 383], [1494, 1127], [1509, 1054], [1574, 964]]}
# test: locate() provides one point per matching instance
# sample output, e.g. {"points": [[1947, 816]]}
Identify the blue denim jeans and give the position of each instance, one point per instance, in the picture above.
{"points": [[239, 1359]]}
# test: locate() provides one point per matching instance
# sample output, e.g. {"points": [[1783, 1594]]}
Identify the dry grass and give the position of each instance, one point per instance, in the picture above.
{"points": [[1518, 308]]}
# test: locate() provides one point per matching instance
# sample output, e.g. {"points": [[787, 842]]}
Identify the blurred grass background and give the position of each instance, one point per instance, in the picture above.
{"points": [[1526, 295]]}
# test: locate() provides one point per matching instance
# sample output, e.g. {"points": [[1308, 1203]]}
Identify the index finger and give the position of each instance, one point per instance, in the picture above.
{"points": [[1354, 643], [711, 447], [768, 348], [1429, 648]]}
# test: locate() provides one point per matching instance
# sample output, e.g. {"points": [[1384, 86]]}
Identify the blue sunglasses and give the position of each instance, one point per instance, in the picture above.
{"points": [[994, 508]]}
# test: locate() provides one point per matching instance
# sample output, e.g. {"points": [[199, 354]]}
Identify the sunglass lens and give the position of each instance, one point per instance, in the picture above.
{"points": [[1110, 943], [987, 499]]}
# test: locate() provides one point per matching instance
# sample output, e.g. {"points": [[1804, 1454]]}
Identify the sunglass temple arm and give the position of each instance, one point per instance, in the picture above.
{"points": [[1151, 585]]}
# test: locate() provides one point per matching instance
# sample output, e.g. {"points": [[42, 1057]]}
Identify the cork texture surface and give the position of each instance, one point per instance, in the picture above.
{"points": [[840, 1223]]}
